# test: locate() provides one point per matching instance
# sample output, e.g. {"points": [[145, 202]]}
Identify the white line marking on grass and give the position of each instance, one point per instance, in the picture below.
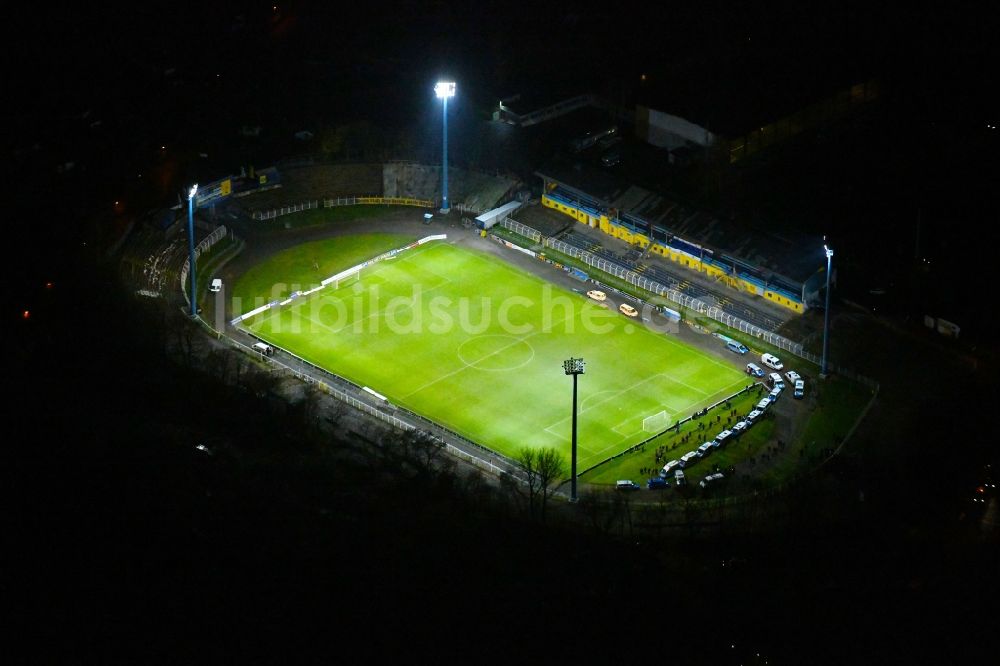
{"points": [[491, 354], [693, 388], [700, 354], [614, 394], [583, 403], [355, 322]]}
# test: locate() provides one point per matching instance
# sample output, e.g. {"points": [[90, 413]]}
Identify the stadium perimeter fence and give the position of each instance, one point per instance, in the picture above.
{"points": [[204, 246], [489, 463], [340, 201], [697, 305]]}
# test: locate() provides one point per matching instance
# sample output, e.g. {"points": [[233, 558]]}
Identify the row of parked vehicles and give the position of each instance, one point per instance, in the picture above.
{"points": [[675, 468], [775, 379], [624, 308], [775, 382]]}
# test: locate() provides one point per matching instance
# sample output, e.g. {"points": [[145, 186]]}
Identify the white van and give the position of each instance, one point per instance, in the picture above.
{"points": [[771, 361], [710, 479], [669, 467], [216, 285], [774, 380], [689, 458], [754, 370], [263, 348]]}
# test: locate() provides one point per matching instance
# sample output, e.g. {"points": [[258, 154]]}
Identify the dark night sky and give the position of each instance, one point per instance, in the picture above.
{"points": [[114, 536]]}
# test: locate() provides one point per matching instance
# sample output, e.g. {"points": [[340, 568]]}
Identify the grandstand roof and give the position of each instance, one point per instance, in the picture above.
{"points": [[794, 256]]}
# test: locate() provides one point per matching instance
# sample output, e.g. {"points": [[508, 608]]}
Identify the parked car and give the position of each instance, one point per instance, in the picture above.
{"points": [[771, 361], [679, 478], [736, 347], [657, 483], [689, 458], [754, 370], [764, 403], [628, 310], [740, 427], [792, 377], [626, 485], [705, 449], [800, 389], [775, 392], [754, 415], [597, 295]]}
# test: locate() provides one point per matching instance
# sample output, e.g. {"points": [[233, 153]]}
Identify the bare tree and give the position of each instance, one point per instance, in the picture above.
{"points": [[542, 468], [551, 467], [527, 458]]}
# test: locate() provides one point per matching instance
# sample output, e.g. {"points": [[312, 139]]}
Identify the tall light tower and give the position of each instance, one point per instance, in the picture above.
{"points": [[826, 315], [573, 366], [444, 90], [194, 302]]}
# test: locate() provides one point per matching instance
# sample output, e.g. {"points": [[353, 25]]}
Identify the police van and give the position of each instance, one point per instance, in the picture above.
{"points": [[754, 370], [263, 348], [771, 361], [736, 347]]}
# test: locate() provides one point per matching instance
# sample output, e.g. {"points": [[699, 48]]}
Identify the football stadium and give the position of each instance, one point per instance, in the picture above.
{"points": [[477, 345], [446, 301]]}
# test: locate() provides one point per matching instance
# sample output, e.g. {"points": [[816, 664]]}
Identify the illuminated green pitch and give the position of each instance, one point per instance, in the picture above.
{"points": [[477, 344]]}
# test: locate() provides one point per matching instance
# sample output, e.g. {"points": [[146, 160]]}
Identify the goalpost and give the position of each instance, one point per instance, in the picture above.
{"points": [[344, 280], [657, 422]]}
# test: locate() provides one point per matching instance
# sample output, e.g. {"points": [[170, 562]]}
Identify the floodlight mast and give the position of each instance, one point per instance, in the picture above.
{"points": [[191, 276], [574, 366], [443, 90], [826, 315]]}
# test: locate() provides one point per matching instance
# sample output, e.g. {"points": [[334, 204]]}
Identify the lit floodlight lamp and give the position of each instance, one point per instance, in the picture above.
{"points": [[191, 257], [444, 89], [574, 367], [826, 313]]}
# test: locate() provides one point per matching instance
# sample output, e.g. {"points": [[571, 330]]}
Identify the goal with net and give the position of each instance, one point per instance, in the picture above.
{"points": [[657, 422]]}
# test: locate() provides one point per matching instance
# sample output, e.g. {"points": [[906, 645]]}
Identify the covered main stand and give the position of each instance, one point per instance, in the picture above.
{"points": [[491, 217]]}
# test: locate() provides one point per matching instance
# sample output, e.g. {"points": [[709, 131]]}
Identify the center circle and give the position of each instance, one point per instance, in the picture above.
{"points": [[495, 352]]}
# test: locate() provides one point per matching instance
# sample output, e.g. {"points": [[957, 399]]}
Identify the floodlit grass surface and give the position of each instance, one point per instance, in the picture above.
{"points": [[305, 266], [478, 345], [320, 216]]}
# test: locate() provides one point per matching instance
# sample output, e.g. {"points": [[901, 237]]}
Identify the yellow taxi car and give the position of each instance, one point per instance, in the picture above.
{"points": [[597, 295], [628, 310]]}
